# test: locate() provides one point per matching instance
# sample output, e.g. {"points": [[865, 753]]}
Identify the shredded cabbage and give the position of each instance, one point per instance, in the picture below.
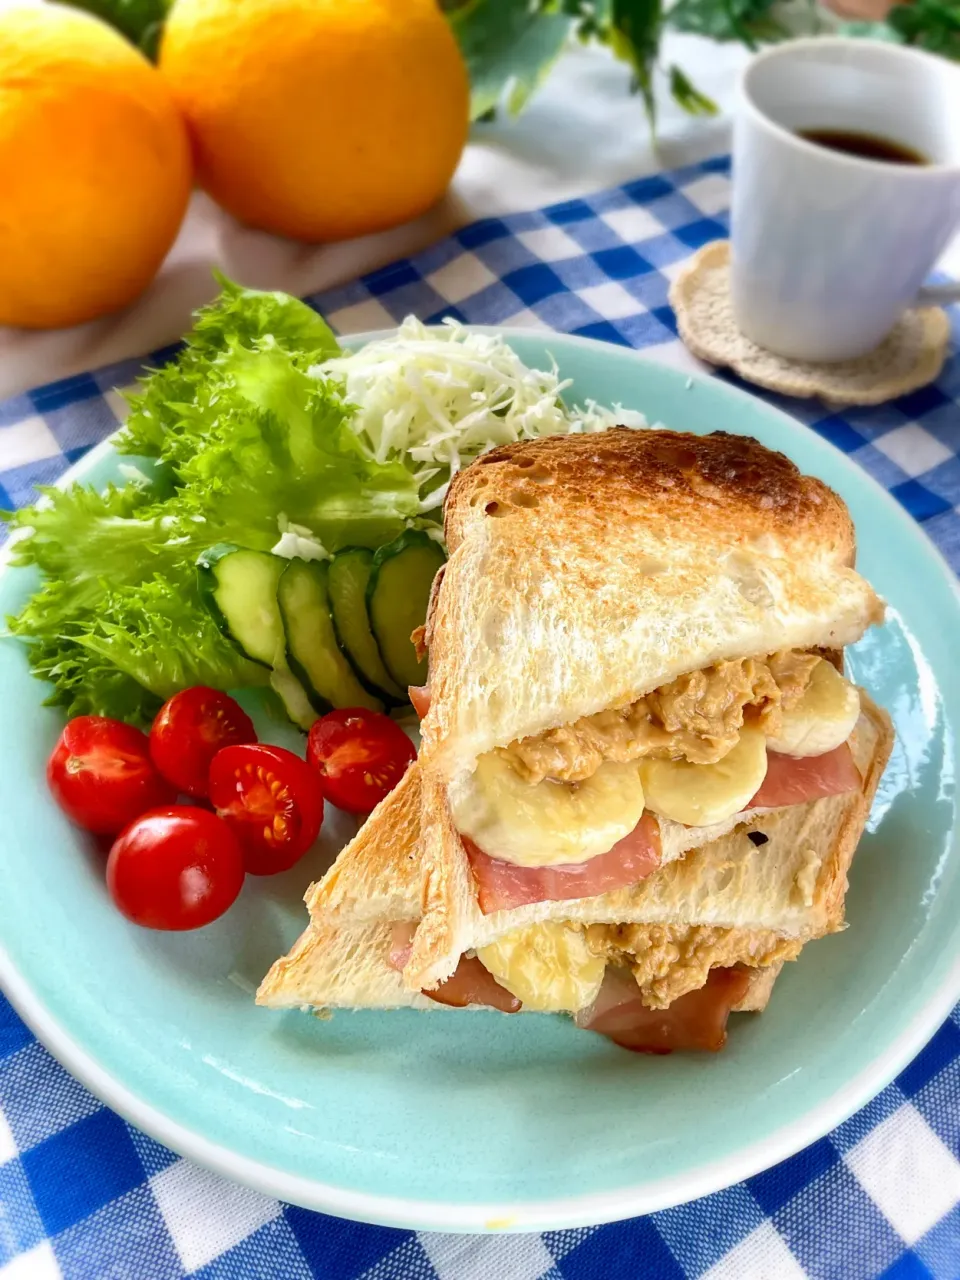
{"points": [[297, 542], [437, 399]]}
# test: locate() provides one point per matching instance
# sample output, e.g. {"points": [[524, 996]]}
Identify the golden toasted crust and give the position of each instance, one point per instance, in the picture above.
{"points": [[377, 875], [832, 882], [652, 475], [586, 571], [334, 965]]}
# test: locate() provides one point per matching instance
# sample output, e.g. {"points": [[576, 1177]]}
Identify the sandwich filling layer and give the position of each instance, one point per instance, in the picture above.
{"points": [[653, 989], [697, 717], [601, 803], [667, 961]]}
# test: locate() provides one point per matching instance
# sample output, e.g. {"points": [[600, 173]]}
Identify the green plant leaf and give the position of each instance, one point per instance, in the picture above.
{"points": [[748, 21], [632, 29], [926, 24], [929, 25], [870, 31], [509, 46], [141, 21], [688, 96]]}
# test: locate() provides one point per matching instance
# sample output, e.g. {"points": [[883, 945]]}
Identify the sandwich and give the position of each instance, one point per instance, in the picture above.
{"points": [[643, 772], [710, 931]]}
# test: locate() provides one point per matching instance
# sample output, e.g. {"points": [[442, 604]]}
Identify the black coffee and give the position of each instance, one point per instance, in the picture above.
{"points": [[868, 146]]}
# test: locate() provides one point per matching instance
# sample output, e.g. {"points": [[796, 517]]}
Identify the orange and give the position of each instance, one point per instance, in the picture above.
{"points": [[319, 119], [94, 168]]}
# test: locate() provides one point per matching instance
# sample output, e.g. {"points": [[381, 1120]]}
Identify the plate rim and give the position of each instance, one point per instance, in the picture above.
{"points": [[594, 1208]]}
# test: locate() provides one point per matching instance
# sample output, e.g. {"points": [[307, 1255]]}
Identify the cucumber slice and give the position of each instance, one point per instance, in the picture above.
{"points": [[347, 581], [401, 576], [312, 650], [239, 587]]}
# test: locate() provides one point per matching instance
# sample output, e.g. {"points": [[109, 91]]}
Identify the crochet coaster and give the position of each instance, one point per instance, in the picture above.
{"points": [[910, 356]]}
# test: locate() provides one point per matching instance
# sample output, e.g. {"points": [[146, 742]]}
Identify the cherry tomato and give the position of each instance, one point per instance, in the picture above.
{"points": [[101, 774], [271, 801], [189, 731], [175, 868], [360, 757]]}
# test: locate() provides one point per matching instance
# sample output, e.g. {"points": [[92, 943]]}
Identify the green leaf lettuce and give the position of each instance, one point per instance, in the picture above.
{"points": [[231, 436]]}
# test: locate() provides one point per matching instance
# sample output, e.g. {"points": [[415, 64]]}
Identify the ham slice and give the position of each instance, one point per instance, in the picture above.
{"points": [[471, 983], [795, 780], [697, 1020], [501, 886], [419, 695]]}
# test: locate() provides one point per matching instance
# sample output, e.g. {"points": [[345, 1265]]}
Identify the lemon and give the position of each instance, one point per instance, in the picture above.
{"points": [[319, 119], [96, 168]]}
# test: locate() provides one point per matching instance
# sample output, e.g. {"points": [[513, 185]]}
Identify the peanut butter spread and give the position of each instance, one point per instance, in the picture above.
{"points": [[697, 716], [670, 960]]}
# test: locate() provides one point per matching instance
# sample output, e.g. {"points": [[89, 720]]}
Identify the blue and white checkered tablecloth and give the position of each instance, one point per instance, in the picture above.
{"points": [[86, 1197]]}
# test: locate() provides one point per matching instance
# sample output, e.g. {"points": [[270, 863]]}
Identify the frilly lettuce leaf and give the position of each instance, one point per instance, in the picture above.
{"points": [[162, 422], [160, 635], [118, 625], [82, 683], [238, 435], [83, 538], [246, 435], [139, 645], [263, 439]]}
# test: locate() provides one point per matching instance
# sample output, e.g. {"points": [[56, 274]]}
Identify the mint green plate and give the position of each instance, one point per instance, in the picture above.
{"points": [[474, 1121]]}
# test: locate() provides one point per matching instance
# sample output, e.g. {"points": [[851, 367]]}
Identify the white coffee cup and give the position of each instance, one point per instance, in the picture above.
{"points": [[828, 248]]}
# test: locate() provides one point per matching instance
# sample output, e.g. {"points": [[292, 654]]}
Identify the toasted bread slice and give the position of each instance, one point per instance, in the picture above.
{"points": [[377, 875], [730, 901], [586, 571], [338, 965]]}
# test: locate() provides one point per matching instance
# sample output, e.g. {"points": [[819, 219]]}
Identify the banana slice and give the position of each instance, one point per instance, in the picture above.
{"points": [[549, 967], [699, 795], [824, 717], [550, 822]]}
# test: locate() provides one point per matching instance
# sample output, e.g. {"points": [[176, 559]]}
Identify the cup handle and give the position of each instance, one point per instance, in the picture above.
{"points": [[938, 295]]}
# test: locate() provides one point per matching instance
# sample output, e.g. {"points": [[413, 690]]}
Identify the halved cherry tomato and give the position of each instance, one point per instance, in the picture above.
{"points": [[189, 731], [271, 801], [359, 755], [101, 774], [175, 868]]}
